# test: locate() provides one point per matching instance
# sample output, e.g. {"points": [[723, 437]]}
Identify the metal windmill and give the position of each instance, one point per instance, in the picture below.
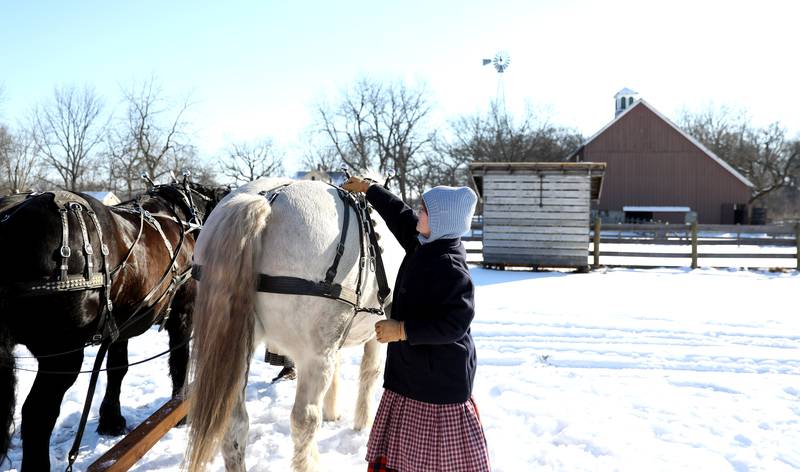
{"points": [[500, 61]]}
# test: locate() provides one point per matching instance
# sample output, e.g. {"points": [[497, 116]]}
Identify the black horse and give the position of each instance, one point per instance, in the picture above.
{"points": [[76, 272]]}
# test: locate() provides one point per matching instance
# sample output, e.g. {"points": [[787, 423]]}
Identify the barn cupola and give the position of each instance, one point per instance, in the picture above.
{"points": [[623, 100]]}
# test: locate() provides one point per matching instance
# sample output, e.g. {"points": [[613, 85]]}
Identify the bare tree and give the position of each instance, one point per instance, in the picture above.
{"points": [[497, 137], [6, 143], [187, 160], [321, 156], [765, 156], [67, 130], [149, 138], [377, 126], [245, 162], [440, 165], [18, 162]]}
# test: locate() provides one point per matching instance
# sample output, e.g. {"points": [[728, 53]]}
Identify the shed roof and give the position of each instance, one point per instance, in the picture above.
{"points": [[576, 167], [595, 170]]}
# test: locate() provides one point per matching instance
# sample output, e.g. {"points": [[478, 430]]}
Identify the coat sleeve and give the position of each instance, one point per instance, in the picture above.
{"points": [[450, 316], [399, 217]]}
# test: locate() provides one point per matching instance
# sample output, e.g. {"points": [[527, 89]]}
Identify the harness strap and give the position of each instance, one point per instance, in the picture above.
{"points": [[71, 283], [87, 245], [65, 250], [107, 325], [297, 286], [136, 313], [76, 445], [133, 245], [174, 285], [155, 224], [380, 270], [331, 273]]}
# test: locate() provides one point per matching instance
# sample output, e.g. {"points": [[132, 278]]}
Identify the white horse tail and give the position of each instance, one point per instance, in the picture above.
{"points": [[229, 248]]}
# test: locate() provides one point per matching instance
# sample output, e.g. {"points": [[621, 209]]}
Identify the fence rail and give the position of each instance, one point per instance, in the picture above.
{"points": [[697, 236], [666, 241]]}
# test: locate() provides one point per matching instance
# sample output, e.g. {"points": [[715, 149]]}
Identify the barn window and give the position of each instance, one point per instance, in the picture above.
{"points": [[622, 103], [630, 100]]}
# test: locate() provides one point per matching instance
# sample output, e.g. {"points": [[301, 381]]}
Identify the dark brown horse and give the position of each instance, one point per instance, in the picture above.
{"points": [[75, 271]]}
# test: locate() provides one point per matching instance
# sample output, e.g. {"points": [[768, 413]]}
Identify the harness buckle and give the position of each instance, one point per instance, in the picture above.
{"points": [[326, 287], [104, 249], [88, 249], [97, 339], [65, 251]]}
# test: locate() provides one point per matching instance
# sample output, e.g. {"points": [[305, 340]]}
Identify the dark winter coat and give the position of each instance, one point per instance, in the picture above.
{"points": [[434, 297]]}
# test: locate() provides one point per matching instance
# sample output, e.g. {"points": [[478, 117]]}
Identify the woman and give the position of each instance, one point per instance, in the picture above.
{"points": [[427, 419]]}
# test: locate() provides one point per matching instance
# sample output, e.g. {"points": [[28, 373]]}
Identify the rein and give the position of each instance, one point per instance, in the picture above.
{"points": [[106, 369]]}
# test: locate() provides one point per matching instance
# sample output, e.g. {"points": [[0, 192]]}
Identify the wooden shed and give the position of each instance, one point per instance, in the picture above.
{"points": [[537, 213]]}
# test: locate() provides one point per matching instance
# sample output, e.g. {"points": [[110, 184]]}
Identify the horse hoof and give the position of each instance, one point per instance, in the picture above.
{"points": [[331, 417], [116, 428], [287, 373]]}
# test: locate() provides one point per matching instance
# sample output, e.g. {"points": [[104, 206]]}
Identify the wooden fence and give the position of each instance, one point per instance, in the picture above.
{"points": [[676, 241], [699, 241]]}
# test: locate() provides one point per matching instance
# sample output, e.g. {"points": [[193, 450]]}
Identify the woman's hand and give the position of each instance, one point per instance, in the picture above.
{"points": [[389, 331], [356, 185]]}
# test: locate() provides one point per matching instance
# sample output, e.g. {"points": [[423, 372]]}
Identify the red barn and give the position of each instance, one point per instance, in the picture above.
{"points": [[657, 171]]}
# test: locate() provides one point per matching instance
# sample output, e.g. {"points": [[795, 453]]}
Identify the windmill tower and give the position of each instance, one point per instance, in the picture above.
{"points": [[500, 61]]}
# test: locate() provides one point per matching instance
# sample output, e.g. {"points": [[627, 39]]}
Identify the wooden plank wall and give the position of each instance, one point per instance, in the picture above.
{"points": [[539, 219]]}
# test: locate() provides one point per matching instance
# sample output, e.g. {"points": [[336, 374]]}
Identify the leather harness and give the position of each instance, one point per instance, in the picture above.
{"points": [[107, 331], [370, 257], [68, 202]]}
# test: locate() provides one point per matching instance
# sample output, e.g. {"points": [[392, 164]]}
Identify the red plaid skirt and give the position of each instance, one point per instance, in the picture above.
{"points": [[414, 436]]}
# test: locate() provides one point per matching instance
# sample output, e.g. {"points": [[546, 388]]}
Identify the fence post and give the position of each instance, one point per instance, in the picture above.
{"points": [[694, 245], [797, 239], [597, 243]]}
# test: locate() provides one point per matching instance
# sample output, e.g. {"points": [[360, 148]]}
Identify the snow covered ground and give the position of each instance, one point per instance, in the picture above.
{"points": [[616, 370]]}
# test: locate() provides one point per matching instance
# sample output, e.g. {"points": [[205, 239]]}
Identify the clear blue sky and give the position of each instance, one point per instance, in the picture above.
{"points": [[256, 68]]}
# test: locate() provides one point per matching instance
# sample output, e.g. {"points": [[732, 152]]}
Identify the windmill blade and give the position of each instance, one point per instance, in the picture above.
{"points": [[501, 61]]}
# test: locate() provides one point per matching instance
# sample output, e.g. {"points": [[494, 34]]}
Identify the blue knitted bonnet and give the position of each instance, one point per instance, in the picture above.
{"points": [[450, 211]]}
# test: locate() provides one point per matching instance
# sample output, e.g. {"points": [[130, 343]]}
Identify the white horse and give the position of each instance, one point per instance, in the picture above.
{"points": [[296, 235]]}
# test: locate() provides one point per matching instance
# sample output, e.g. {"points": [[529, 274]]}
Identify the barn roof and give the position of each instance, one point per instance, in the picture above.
{"points": [[625, 91], [691, 139]]}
